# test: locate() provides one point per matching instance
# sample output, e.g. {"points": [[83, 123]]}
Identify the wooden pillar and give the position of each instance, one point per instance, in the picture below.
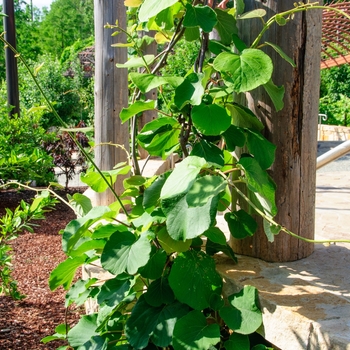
{"points": [[111, 91], [11, 60], [293, 130]]}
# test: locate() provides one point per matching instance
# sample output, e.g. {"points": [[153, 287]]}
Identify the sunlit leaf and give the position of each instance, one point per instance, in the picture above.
{"points": [[200, 16], [137, 62], [276, 94], [135, 108], [258, 13], [151, 8], [241, 224], [226, 26]]}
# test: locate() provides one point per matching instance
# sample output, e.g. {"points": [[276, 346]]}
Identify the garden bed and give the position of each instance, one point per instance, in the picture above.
{"points": [[24, 323]]}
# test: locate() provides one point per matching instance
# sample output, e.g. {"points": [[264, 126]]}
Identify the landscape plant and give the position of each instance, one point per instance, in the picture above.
{"points": [[165, 292]]}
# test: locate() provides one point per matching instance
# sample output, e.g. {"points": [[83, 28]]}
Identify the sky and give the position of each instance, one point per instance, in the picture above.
{"points": [[41, 3]]}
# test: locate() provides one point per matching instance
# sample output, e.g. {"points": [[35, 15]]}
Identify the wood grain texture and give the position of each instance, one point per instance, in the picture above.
{"points": [[293, 130], [111, 92]]}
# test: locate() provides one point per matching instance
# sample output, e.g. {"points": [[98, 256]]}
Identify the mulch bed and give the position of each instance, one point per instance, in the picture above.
{"points": [[24, 323]]}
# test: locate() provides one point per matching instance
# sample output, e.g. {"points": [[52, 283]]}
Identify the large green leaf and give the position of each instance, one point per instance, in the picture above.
{"points": [[137, 62], [215, 235], [234, 137], [241, 224], [204, 189], [261, 148], [212, 248], [200, 16], [123, 252], [64, 273], [113, 292], [151, 8], [151, 195], [260, 182], [226, 26], [157, 322], [83, 331], [159, 292], [81, 203], [210, 119], [193, 332], [155, 265], [160, 137], [243, 117], [183, 177], [246, 71], [237, 342], [135, 108], [243, 314], [210, 152], [171, 245], [184, 222], [147, 82], [78, 228], [190, 91], [97, 183], [194, 279]]}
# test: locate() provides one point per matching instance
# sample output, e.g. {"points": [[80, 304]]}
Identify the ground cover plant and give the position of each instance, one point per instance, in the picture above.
{"points": [[166, 292]]}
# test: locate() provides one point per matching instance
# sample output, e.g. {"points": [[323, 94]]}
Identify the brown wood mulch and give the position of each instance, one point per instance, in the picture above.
{"points": [[24, 323]]}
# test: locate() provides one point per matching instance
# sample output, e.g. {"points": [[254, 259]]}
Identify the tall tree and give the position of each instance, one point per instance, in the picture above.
{"points": [[66, 22]]}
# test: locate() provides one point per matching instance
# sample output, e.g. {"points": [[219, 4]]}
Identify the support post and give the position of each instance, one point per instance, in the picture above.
{"points": [[111, 92], [293, 130], [11, 60]]}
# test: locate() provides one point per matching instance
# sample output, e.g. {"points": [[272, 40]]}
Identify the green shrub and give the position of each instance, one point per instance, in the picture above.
{"points": [[22, 157]]}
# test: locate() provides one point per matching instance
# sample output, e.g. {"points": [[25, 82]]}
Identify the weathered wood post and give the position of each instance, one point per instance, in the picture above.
{"points": [[293, 130], [111, 91]]}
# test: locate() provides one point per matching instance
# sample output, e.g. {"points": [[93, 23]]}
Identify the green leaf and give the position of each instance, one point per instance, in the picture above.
{"points": [[239, 5], [105, 231], [155, 265], [159, 292], [234, 137], [204, 189], [271, 230], [276, 94], [210, 119], [135, 108], [59, 335], [212, 248], [64, 273], [280, 20], [194, 279], [210, 152], [260, 182], [165, 19], [151, 8], [83, 331], [184, 222], [200, 16], [113, 292], [151, 195], [193, 332], [96, 181], [241, 224], [182, 177], [261, 347], [258, 13], [261, 148], [88, 245], [147, 82], [79, 292], [171, 245], [246, 71], [160, 137], [81, 204], [137, 62], [237, 342], [243, 315], [192, 34], [215, 235], [156, 322], [226, 26], [123, 252], [190, 91], [243, 117], [281, 53]]}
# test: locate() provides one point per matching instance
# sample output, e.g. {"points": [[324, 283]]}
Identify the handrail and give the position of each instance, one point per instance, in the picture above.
{"points": [[333, 154]]}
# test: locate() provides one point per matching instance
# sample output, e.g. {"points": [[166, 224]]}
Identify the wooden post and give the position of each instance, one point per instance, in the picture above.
{"points": [[293, 130], [11, 60], [111, 92]]}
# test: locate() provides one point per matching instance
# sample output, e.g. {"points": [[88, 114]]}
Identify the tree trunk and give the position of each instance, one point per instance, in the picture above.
{"points": [[293, 130], [111, 92]]}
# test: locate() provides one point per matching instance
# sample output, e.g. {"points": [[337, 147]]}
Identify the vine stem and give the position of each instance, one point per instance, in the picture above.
{"points": [[300, 8], [282, 228], [51, 109]]}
